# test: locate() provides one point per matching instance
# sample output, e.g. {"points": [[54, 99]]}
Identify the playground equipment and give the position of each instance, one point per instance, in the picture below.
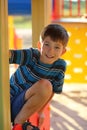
{"points": [[4, 72], [15, 42], [77, 48], [70, 8], [20, 7], [76, 51]]}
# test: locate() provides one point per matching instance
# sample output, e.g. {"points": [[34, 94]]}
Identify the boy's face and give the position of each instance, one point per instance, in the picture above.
{"points": [[50, 51]]}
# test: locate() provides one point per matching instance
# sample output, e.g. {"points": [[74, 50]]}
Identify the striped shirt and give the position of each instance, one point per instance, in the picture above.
{"points": [[31, 70]]}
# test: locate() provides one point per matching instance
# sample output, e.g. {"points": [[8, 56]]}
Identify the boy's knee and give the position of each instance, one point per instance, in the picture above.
{"points": [[42, 88], [45, 87]]}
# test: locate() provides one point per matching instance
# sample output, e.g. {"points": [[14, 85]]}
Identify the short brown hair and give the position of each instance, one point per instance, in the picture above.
{"points": [[56, 32]]}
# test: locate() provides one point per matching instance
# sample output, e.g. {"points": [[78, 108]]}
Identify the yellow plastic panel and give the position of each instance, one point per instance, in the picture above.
{"points": [[76, 55]]}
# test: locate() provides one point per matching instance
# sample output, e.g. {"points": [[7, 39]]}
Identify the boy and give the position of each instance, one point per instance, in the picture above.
{"points": [[40, 74]]}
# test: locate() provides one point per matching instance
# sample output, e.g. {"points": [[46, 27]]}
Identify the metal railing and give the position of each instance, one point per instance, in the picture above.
{"points": [[68, 8]]}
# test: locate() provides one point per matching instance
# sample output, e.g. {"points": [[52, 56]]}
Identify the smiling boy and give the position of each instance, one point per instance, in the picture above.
{"points": [[40, 74]]}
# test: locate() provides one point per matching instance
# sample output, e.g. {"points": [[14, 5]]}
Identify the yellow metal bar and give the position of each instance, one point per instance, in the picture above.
{"points": [[4, 68], [41, 16]]}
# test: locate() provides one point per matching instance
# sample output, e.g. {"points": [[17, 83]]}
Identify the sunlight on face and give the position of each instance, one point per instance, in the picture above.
{"points": [[50, 51]]}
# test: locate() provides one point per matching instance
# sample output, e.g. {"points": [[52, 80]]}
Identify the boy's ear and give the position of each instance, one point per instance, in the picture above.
{"points": [[39, 45], [64, 50]]}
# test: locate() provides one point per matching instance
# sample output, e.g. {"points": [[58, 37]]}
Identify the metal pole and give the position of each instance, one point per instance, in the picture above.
{"points": [[4, 68], [70, 8], [41, 16], [78, 7]]}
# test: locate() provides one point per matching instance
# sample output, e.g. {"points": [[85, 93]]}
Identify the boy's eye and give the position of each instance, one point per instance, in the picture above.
{"points": [[46, 44], [56, 47]]}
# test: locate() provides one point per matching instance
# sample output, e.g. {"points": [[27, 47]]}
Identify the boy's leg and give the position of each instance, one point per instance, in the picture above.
{"points": [[36, 97]]}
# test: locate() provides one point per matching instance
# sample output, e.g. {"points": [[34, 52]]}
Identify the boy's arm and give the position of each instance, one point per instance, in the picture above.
{"points": [[20, 56], [15, 56], [10, 57]]}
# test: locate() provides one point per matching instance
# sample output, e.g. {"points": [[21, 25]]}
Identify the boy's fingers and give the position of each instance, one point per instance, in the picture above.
{"points": [[40, 122]]}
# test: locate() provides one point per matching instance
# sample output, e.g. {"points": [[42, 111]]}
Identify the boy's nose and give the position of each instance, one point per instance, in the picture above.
{"points": [[51, 51]]}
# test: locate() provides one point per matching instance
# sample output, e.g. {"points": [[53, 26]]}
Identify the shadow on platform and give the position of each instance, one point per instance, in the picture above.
{"points": [[69, 109]]}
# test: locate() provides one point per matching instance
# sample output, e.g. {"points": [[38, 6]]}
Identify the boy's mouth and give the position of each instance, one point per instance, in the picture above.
{"points": [[50, 57]]}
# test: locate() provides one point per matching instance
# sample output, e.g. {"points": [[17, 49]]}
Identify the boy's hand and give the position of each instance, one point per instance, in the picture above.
{"points": [[9, 54], [41, 119]]}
